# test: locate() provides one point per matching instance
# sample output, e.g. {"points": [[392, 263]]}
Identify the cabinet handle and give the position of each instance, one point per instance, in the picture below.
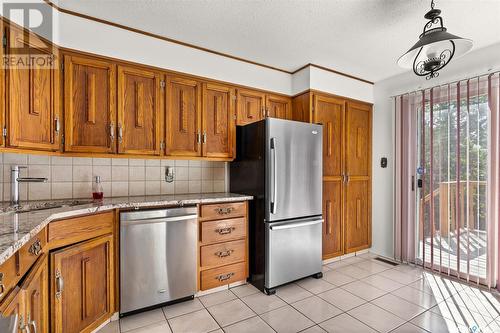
{"points": [[22, 325], [35, 248], [225, 231], [198, 138], [120, 133], [204, 137], [59, 284], [263, 111], [2, 286], [223, 254], [57, 126], [33, 324], [224, 277], [224, 210], [112, 132]]}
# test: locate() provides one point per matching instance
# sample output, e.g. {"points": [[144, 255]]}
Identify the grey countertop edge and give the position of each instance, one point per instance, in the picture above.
{"points": [[94, 209]]}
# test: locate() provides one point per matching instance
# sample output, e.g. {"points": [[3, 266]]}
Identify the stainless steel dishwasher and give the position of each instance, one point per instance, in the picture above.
{"points": [[157, 256]]}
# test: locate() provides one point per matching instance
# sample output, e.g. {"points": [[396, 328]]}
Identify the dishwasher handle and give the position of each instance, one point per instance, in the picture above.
{"points": [[159, 220]]}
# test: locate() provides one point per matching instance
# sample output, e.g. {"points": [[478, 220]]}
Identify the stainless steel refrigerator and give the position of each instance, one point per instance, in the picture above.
{"points": [[279, 162]]}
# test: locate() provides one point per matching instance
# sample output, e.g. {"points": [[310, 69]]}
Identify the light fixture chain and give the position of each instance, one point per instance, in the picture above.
{"points": [[432, 4]]}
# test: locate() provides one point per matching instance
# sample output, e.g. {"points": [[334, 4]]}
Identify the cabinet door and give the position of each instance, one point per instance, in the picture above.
{"points": [[218, 121], [13, 304], [32, 94], [89, 103], [139, 99], [332, 215], [357, 216], [36, 293], [82, 285], [278, 107], [329, 112], [358, 139], [183, 130], [251, 106]]}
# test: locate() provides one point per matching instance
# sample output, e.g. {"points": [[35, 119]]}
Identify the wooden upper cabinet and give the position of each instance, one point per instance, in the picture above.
{"points": [[357, 215], [90, 106], [329, 112], [251, 106], [32, 93], [139, 111], [183, 117], [218, 121], [82, 284], [358, 139], [278, 107], [302, 107], [36, 296]]}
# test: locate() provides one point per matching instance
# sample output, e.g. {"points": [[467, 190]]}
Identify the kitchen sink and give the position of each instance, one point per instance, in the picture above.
{"points": [[41, 205]]}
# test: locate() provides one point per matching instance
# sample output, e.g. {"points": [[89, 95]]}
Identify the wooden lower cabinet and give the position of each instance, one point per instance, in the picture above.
{"points": [[31, 300], [357, 219], [332, 215], [82, 284]]}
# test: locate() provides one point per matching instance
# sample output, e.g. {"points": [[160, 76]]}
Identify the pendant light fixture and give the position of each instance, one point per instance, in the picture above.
{"points": [[435, 47]]}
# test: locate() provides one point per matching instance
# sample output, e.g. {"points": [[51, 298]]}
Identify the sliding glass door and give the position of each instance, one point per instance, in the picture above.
{"points": [[451, 177]]}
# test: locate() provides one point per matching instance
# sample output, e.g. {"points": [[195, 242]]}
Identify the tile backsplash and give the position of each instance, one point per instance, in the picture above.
{"points": [[71, 177]]}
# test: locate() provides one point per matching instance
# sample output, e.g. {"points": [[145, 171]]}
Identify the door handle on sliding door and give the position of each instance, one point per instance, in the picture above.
{"points": [[273, 175]]}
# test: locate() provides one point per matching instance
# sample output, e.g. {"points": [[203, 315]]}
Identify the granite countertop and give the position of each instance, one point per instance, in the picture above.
{"points": [[16, 229]]}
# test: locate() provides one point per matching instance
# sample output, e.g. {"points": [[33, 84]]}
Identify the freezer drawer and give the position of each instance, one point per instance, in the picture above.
{"points": [[293, 250]]}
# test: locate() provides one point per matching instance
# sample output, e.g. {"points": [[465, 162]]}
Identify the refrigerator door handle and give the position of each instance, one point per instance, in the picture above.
{"points": [[273, 176], [295, 225]]}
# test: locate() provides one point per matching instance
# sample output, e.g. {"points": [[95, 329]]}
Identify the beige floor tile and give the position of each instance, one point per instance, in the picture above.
{"points": [[353, 260], [338, 264], [245, 290], [161, 327], [292, 293], [377, 318], [371, 266], [417, 297], [195, 322], [261, 303], [325, 269], [382, 283], [315, 286], [182, 308], [364, 290], [398, 276], [314, 329], [482, 302], [398, 306], [141, 319], [316, 309], [463, 316], [344, 323], [408, 328], [111, 327], [354, 272], [230, 312], [217, 298], [367, 255], [494, 327], [251, 325], [342, 299], [287, 319], [435, 323], [336, 278], [436, 285]]}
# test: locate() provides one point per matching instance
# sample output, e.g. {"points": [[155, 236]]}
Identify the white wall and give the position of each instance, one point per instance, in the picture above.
{"points": [[475, 63]]}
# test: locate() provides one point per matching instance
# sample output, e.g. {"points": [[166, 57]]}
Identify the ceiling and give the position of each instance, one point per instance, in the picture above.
{"points": [[363, 38]]}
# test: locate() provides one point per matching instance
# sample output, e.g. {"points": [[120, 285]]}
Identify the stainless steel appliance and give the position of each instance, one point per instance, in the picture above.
{"points": [[157, 257], [279, 162]]}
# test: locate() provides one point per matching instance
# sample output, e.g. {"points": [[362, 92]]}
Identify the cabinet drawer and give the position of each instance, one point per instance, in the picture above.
{"points": [[222, 275], [74, 230], [8, 276], [223, 210], [223, 254], [30, 251], [222, 230]]}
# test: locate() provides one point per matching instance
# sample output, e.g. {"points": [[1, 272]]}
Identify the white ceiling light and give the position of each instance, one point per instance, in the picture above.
{"points": [[435, 47]]}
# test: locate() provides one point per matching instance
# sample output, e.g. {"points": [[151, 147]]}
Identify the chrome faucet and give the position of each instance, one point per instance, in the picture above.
{"points": [[15, 180]]}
